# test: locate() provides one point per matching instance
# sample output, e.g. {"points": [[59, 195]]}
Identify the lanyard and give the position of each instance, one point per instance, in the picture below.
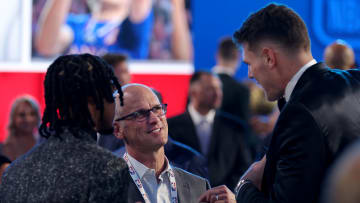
{"points": [[139, 185]]}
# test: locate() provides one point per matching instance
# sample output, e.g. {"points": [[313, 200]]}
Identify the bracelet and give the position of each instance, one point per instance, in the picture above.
{"points": [[240, 184]]}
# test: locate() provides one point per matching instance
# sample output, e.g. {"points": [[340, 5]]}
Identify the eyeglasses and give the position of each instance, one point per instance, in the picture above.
{"points": [[142, 115]]}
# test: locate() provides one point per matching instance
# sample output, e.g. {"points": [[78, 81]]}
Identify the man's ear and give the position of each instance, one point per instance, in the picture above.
{"points": [[118, 131], [269, 56]]}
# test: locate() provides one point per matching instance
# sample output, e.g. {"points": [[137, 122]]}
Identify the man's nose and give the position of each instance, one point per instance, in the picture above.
{"points": [[153, 117]]}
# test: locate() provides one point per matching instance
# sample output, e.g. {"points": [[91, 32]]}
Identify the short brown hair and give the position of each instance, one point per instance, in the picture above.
{"points": [[114, 59], [227, 49], [276, 23]]}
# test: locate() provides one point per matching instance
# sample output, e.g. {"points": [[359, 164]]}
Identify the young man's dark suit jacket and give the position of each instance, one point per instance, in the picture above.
{"points": [[236, 97], [320, 119], [189, 187], [229, 155]]}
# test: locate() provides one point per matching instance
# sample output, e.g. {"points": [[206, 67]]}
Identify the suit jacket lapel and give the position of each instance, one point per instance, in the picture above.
{"points": [[192, 131], [183, 188], [134, 194]]}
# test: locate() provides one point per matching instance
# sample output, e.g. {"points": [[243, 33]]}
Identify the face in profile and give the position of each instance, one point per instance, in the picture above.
{"points": [[104, 123], [146, 134], [25, 118], [262, 73]]}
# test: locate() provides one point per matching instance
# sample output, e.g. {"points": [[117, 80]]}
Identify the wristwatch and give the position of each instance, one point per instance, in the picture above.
{"points": [[240, 184]]}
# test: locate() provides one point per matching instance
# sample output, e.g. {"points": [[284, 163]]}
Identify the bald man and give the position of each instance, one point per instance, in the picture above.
{"points": [[142, 124], [339, 55]]}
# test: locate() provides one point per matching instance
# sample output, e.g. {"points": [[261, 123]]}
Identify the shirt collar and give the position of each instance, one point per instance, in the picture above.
{"points": [[226, 70], [291, 85], [197, 117], [141, 169]]}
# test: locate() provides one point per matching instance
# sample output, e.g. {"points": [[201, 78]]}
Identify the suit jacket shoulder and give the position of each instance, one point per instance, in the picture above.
{"points": [[182, 125], [190, 187], [66, 170], [332, 99]]}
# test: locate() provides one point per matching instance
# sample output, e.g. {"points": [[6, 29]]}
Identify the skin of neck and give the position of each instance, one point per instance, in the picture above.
{"points": [[154, 159], [291, 64]]}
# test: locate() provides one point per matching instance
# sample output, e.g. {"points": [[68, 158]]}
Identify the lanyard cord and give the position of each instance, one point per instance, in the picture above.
{"points": [[135, 176]]}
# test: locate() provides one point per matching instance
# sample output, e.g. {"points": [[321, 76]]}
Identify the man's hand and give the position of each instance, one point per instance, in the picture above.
{"points": [[219, 194], [255, 172]]}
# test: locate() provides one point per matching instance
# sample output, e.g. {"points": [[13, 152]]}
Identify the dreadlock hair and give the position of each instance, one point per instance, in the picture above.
{"points": [[69, 82]]}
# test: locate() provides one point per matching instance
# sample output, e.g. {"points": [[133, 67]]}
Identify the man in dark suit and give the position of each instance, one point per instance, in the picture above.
{"points": [[142, 124], [236, 95], [319, 119], [222, 139]]}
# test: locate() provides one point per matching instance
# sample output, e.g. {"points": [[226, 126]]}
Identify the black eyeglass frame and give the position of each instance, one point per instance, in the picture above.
{"points": [[146, 113]]}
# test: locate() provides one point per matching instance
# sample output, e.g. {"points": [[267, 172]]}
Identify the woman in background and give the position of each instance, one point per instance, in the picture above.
{"points": [[23, 124]]}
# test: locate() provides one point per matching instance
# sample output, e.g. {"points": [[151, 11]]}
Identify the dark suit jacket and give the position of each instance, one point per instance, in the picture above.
{"points": [[235, 97], [189, 187], [229, 155], [319, 120]]}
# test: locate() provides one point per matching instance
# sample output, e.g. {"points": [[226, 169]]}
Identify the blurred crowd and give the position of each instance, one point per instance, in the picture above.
{"points": [[139, 29]]}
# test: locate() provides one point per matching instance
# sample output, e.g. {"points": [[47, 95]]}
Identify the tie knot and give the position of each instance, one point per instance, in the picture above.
{"points": [[203, 121]]}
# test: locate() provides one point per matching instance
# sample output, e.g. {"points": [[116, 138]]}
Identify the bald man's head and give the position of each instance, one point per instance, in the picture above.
{"points": [[141, 121], [339, 55]]}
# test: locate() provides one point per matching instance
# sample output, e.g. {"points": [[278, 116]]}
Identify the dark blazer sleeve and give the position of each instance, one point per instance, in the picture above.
{"points": [[295, 161]]}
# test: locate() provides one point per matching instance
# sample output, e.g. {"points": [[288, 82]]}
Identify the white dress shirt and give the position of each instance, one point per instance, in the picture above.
{"points": [[291, 85], [203, 125], [157, 192]]}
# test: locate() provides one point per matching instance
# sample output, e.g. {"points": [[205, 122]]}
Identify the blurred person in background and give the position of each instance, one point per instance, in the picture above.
{"points": [[121, 26], [23, 125], [171, 37], [339, 55], [221, 138], [343, 182], [263, 116], [120, 65], [263, 113], [235, 94]]}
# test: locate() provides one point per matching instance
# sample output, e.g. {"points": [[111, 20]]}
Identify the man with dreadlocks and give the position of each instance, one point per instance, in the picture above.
{"points": [[69, 166]]}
